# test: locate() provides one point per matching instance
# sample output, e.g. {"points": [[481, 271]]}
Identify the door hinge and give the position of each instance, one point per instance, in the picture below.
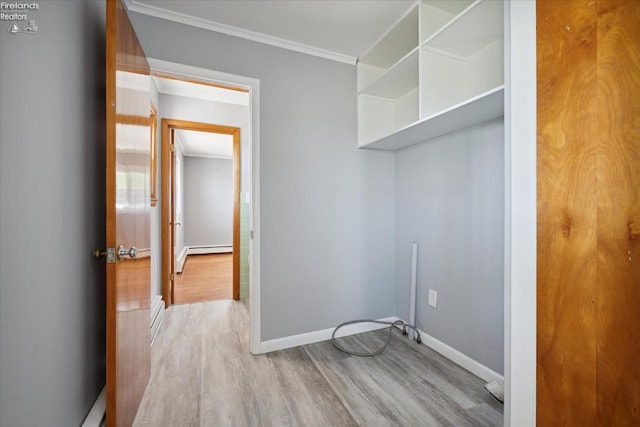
{"points": [[173, 148], [172, 277], [251, 234]]}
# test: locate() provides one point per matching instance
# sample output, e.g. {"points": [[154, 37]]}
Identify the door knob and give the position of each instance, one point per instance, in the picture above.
{"points": [[122, 252], [99, 254], [110, 253]]}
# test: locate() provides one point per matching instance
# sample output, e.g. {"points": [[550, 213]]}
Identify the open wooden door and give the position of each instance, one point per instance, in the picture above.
{"points": [[128, 219]]}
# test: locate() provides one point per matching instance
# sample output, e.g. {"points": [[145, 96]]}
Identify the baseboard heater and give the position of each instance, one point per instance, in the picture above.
{"points": [[212, 249], [200, 250]]}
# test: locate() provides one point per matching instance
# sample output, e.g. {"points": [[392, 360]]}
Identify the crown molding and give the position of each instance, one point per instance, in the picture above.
{"points": [[158, 12]]}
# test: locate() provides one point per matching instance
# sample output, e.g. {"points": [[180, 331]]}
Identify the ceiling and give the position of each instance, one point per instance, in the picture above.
{"points": [[202, 144], [198, 91], [341, 30], [205, 144]]}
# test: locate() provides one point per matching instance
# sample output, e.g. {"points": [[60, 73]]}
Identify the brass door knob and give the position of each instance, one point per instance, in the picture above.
{"points": [[99, 253]]}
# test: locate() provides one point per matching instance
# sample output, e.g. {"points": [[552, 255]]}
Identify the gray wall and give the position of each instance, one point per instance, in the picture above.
{"points": [[197, 110], [208, 201], [52, 142], [327, 211], [450, 199], [219, 113]]}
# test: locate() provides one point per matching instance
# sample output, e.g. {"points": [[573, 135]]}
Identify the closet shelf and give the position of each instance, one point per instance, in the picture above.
{"points": [[397, 80], [476, 27], [482, 108]]}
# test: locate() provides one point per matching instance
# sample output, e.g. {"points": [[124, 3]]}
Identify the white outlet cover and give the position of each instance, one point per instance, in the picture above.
{"points": [[433, 298]]}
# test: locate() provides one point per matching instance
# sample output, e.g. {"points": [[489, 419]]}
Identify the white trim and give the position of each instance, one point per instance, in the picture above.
{"points": [[189, 72], [181, 258], [450, 353], [213, 249], [322, 335], [157, 316], [98, 410], [459, 358], [520, 214], [193, 21]]}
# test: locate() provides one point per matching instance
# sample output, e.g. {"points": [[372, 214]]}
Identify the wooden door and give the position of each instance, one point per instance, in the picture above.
{"points": [[128, 218], [588, 344]]}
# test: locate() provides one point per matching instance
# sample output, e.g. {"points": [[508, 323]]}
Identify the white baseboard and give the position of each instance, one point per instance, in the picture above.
{"points": [[322, 335], [182, 257], [157, 316], [459, 358], [98, 410], [447, 351], [201, 250]]}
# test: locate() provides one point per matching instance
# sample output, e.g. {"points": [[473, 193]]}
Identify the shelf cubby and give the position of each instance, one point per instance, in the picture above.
{"points": [[435, 14], [401, 39], [440, 69]]}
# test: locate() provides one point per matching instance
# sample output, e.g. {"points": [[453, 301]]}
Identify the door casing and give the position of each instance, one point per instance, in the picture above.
{"points": [[168, 194]]}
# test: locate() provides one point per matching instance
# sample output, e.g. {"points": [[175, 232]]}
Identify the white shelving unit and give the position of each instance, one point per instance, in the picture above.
{"points": [[439, 69]]}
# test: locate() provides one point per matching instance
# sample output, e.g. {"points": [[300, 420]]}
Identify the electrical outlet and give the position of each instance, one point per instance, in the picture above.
{"points": [[433, 298]]}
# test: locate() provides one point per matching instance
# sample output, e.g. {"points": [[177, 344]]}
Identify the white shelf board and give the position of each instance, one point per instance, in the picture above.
{"points": [[476, 27], [397, 80], [482, 108], [400, 39], [435, 14]]}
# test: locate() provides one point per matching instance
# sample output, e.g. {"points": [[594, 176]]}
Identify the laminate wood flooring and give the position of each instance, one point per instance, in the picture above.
{"points": [[205, 278], [203, 375]]}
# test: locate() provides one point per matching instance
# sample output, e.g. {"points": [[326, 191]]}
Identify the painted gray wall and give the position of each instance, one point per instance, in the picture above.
{"points": [[219, 113], [52, 187], [208, 201], [327, 208], [197, 110], [450, 199]]}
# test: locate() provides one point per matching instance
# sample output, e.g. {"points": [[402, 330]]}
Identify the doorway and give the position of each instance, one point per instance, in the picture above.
{"points": [[250, 142], [169, 220]]}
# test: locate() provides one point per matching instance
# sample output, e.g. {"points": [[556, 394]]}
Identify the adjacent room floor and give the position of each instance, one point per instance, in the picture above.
{"points": [[205, 278], [203, 375]]}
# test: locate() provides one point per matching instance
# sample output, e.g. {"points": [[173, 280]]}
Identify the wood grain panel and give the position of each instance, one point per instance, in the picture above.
{"points": [[588, 212], [567, 212], [618, 327], [128, 218]]}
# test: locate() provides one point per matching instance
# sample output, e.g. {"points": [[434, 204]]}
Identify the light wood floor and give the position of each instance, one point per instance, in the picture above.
{"points": [[203, 375], [205, 278]]}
